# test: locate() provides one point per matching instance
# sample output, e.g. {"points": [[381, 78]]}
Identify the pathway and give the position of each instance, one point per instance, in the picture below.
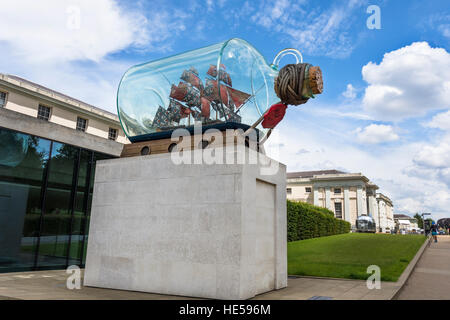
{"points": [[430, 278], [43, 285]]}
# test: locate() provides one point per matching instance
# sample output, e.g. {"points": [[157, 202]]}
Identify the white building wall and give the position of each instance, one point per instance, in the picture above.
{"points": [[358, 197], [20, 100]]}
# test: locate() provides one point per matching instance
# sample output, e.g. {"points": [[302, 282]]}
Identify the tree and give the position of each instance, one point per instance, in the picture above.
{"points": [[419, 220]]}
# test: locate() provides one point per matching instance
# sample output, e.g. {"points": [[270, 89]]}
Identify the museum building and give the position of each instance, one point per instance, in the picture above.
{"points": [[347, 195], [49, 144]]}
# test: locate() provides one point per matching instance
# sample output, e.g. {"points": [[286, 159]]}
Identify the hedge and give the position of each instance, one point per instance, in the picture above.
{"points": [[306, 221]]}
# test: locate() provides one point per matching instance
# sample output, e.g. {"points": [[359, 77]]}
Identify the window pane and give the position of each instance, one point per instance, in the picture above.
{"points": [[55, 231], [112, 135], [43, 113], [2, 99], [80, 208], [29, 182], [81, 124], [23, 161], [338, 209], [97, 156]]}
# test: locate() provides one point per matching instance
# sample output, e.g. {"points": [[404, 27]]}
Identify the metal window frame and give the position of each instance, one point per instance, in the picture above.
{"points": [[86, 204], [43, 198], [116, 133], [39, 116], [85, 124], [335, 211], [6, 98], [73, 194]]}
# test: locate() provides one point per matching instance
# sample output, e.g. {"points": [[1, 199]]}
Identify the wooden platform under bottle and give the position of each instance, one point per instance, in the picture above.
{"points": [[200, 141]]}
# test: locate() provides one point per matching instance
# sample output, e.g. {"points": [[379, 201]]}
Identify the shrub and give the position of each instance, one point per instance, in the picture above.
{"points": [[305, 221]]}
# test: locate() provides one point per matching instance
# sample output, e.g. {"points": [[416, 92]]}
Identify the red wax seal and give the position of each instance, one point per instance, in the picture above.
{"points": [[274, 115]]}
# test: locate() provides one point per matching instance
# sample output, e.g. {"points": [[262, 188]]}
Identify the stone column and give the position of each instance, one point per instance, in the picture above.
{"points": [[372, 207], [328, 199], [359, 201], [316, 196], [347, 204]]}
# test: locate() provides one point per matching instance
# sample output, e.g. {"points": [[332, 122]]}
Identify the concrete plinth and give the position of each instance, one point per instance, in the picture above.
{"points": [[212, 231]]}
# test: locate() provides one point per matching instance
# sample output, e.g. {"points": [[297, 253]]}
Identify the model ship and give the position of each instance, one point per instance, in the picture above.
{"points": [[192, 101]]}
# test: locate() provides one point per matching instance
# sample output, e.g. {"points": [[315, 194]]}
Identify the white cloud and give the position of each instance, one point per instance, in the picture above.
{"points": [[279, 9], [41, 42], [376, 133], [315, 32], [209, 5], [42, 30], [55, 30], [324, 35], [445, 30], [350, 92], [435, 156], [408, 82], [440, 121], [432, 161], [439, 22]]}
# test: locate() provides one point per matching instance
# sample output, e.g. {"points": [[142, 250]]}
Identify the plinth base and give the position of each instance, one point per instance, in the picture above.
{"points": [[212, 231]]}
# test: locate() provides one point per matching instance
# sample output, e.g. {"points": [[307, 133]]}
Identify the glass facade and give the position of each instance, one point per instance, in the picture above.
{"points": [[45, 200]]}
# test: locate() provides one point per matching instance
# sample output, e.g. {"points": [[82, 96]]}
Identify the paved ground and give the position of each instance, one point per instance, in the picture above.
{"points": [[52, 285], [429, 280], [431, 277]]}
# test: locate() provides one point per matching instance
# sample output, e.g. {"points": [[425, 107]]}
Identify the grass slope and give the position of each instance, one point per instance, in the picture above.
{"points": [[349, 255]]}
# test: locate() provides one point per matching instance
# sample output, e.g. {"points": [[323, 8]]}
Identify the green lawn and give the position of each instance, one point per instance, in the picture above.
{"points": [[349, 255]]}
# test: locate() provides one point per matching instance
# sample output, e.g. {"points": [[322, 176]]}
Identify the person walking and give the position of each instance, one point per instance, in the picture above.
{"points": [[434, 231]]}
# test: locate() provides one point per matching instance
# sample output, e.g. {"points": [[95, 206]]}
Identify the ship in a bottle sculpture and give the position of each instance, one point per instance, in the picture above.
{"points": [[228, 85]]}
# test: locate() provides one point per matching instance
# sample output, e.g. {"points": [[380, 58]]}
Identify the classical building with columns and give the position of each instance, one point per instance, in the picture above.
{"points": [[385, 219], [348, 195]]}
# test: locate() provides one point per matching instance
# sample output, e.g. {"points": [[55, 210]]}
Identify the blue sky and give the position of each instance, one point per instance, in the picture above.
{"points": [[385, 111]]}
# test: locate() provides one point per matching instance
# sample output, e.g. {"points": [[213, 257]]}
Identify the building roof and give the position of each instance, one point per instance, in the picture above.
{"points": [[384, 197], [60, 97], [400, 217], [310, 174], [327, 175]]}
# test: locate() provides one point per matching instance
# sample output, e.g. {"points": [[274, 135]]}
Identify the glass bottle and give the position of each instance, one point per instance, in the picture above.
{"points": [[225, 85]]}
